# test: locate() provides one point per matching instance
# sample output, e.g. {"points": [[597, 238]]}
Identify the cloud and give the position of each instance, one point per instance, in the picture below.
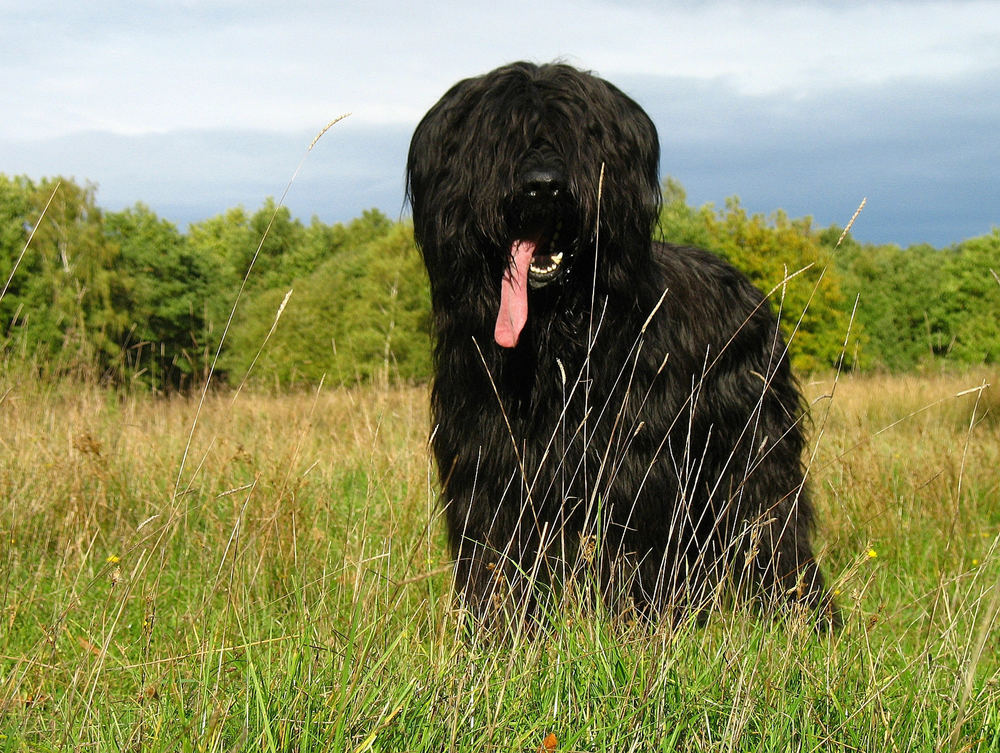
{"points": [[920, 151], [923, 153], [187, 176], [195, 107], [152, 67]]}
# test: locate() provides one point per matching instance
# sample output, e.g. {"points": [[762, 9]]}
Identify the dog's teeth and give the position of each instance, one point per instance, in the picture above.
{"points": [[554, 261]]}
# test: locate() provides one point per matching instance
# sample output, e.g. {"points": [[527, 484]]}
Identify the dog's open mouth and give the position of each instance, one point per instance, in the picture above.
{"points": [[540, 217], [535, 261], [546, 259]]}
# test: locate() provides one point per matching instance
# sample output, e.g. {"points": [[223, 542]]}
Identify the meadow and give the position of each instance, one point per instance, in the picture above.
{"points": [[264, 571]]}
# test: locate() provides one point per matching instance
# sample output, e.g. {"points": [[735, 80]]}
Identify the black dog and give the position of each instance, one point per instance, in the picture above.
{"points": [[602, 403]]}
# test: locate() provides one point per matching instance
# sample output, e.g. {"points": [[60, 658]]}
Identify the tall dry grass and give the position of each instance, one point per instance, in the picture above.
{"points": [[277, 580]]}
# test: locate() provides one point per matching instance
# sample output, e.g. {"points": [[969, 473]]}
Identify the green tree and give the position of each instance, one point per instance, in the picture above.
{"points": [[895, 288], [175, 299], [680, 223], [280, 239], [783, 258], [227, 238], [969, 302], [923, 305], [15, 269], [363, 314], [320, 242], [60, 298]]}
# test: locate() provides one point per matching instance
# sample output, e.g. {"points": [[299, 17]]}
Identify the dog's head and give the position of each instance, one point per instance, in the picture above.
{"points": [[519, 177]]}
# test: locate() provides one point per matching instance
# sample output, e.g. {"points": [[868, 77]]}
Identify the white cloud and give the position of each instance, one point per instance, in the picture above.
{"points": [[154, 67]]}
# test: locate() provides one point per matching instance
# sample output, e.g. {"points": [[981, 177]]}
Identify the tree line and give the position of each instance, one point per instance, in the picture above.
{"points": [[130, 298]]}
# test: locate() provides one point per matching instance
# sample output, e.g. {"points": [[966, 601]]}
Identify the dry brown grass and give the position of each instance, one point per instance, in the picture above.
{"points": [[302, 528]]}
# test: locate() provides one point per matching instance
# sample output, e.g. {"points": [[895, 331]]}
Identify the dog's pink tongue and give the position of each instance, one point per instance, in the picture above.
{"points": [[514, 295]]}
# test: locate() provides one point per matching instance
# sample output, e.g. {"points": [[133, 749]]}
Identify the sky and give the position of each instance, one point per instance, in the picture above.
{"points": [[805, 105]]}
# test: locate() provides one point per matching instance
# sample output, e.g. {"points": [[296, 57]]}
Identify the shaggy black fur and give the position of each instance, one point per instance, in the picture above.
{"points": [[642, 424]]}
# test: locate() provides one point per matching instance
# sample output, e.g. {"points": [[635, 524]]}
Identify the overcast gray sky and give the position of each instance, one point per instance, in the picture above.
{"points": [[195, 107]]}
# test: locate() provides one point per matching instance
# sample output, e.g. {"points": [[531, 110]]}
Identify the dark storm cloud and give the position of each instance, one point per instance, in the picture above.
{"points": [[924, 153]]}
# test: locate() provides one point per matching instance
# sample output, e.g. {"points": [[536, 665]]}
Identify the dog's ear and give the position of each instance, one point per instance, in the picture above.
{"points": [[637, 142], [423, 161], [432, 165]]}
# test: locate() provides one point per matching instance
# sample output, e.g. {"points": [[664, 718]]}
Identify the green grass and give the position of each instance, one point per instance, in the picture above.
{"points": [[282, 584]]}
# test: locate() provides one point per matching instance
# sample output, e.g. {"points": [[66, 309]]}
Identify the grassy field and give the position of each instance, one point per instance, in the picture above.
{"points": [[268, 572]]}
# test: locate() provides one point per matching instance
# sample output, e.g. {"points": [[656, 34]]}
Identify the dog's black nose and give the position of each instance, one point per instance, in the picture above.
{"points": [[545, 184]]}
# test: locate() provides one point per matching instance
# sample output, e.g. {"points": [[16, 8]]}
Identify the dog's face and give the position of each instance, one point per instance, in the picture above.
{"points": [[515, 177]]}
